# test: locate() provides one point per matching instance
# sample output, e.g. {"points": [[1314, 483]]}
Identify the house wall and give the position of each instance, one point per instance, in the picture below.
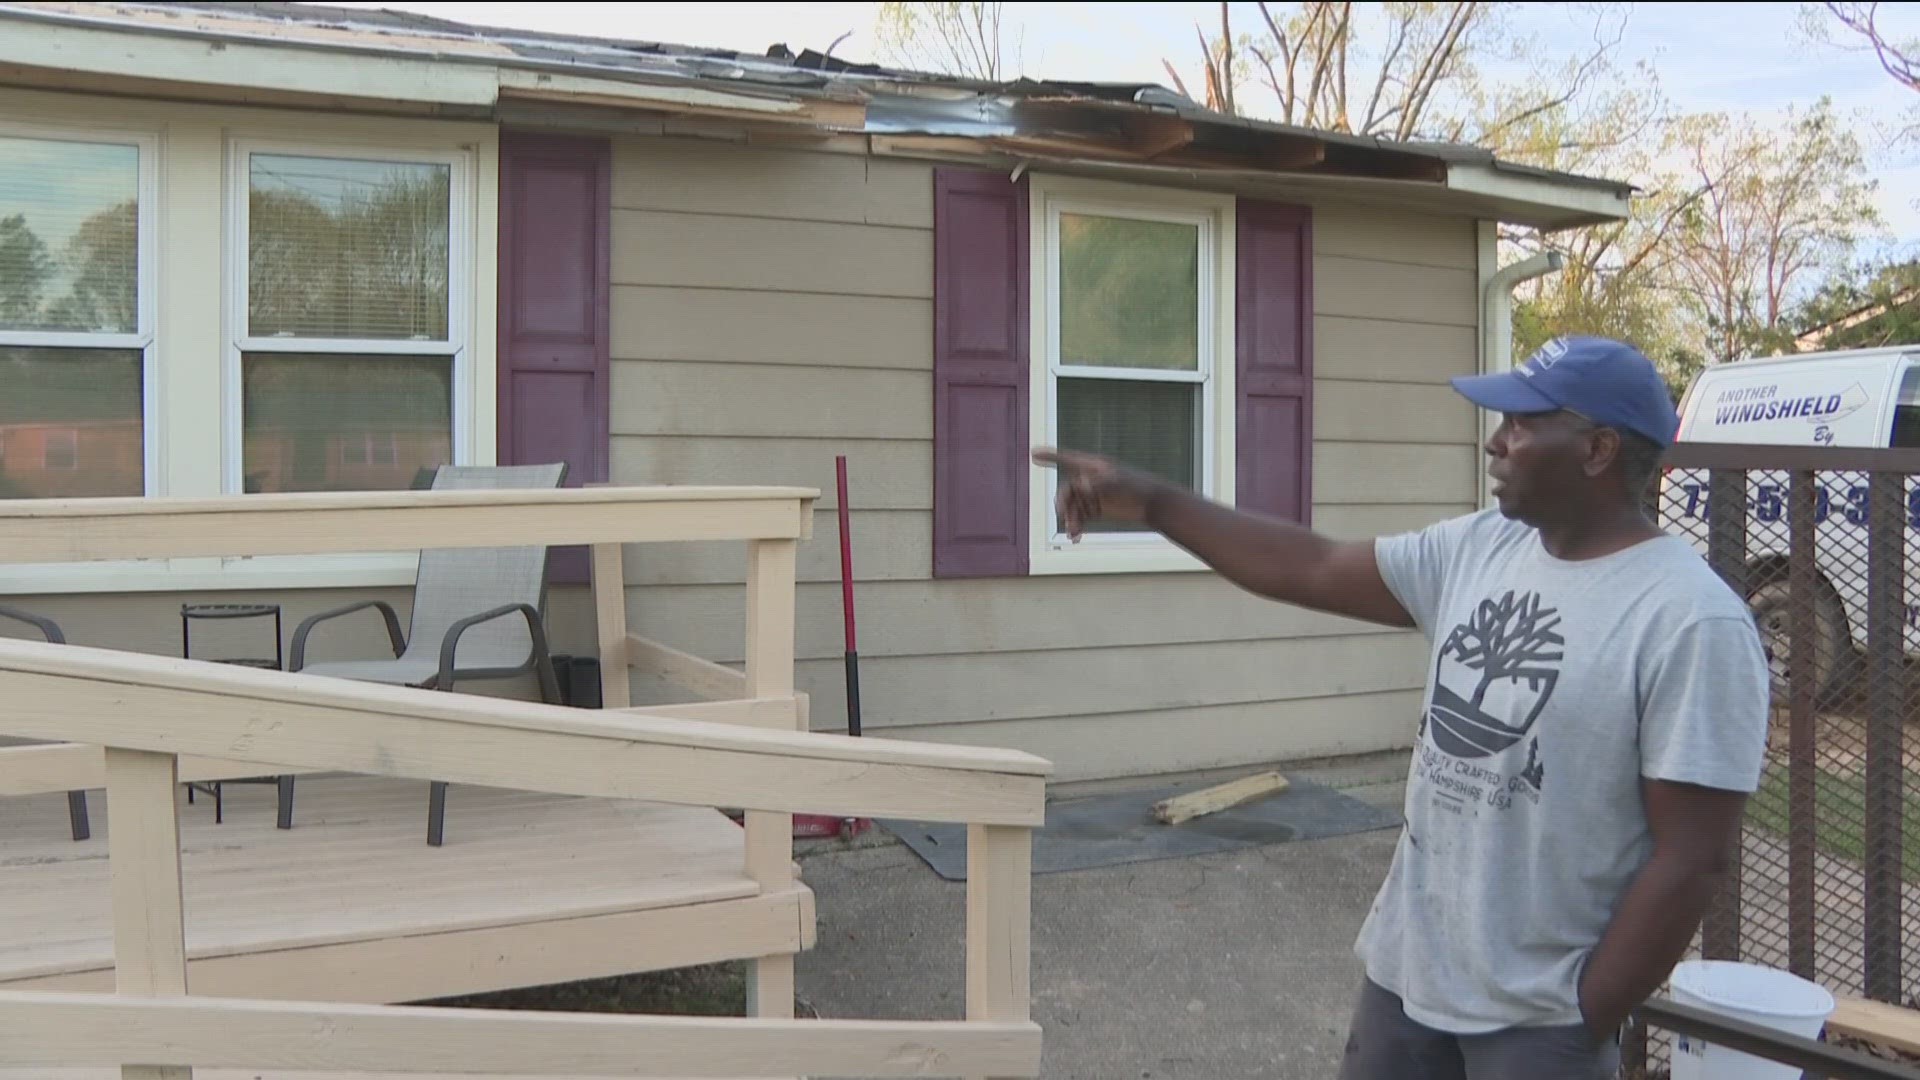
{"points": [[773, 308]]}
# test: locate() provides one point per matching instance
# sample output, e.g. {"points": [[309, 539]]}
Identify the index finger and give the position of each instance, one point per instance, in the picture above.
{"points": [[1065, 459]]}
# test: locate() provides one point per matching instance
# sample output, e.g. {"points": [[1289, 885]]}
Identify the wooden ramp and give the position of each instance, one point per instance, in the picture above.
{"points": [[212, 948], [352, 905]]}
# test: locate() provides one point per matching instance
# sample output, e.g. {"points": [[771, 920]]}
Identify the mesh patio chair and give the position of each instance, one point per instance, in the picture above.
{"points": [[477, 614], [76, 800]]}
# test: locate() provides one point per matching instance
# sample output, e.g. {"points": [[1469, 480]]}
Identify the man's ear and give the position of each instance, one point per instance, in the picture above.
{"points": [[1603, 449]]}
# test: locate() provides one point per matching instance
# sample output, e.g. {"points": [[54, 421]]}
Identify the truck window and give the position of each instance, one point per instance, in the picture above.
{"points": [[1906, 410]]}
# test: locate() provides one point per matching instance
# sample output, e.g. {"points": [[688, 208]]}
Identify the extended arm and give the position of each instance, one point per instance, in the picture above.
{"points": [[1694, 832], [1275, 559]]}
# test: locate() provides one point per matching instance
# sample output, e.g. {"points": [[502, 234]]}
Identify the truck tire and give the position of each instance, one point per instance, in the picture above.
{"points": [[1772, 607]]}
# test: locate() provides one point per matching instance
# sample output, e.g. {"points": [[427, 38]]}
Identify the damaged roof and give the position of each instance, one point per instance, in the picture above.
{"points": [[1138, 123]]}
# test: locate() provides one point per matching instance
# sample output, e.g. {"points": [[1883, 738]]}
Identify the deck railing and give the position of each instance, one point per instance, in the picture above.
{"points": [[140, 724]]}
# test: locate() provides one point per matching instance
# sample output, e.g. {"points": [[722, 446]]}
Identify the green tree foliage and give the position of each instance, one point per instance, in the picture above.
{"points": [[25, 270]]}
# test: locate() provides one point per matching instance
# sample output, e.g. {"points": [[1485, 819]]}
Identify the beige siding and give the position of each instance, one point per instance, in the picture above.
{"points": [[772, 310]]}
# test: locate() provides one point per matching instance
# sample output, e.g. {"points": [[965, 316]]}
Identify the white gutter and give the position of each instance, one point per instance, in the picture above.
{"points": [[1496, 326]]}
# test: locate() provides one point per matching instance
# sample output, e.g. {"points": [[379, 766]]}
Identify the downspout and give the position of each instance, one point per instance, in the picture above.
{"points": [[1496, 330]]}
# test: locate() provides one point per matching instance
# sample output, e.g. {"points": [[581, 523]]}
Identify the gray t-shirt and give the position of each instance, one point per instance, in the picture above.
{"points": [[1554, 687]]}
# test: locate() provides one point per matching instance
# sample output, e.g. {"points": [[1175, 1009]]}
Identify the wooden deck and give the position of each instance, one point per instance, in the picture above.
{"points": [[352, 905]]}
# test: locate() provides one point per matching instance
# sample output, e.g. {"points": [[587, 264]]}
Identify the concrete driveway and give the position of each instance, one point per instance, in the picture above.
{"points": [[1237, 964]]}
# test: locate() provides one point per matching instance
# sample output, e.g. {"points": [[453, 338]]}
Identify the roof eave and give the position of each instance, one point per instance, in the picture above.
{"points": [[1548, 203]]}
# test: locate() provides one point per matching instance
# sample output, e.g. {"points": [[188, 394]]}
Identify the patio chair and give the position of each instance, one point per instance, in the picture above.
{"points": [[76, 800], [477, 614]]}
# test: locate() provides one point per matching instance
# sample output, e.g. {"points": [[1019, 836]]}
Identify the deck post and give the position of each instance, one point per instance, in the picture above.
{"points": [[143, 852], [770, 632], [610, 619], [999, 922]]}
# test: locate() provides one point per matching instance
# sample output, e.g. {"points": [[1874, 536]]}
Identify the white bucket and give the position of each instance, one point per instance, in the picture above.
{"points": [[1758, 995]]}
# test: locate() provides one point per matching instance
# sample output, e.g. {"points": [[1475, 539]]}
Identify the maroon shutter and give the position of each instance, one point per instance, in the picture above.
{"points": [[1273, 343], [553, 317], [980, 451]]}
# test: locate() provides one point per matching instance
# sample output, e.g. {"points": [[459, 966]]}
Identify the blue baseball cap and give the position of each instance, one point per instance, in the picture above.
{"points": [[1606, 381]]}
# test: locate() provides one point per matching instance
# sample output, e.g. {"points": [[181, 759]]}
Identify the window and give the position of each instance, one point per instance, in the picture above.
{"points": [[349, 360], [1132, 352], [76, 325], [1906, 409]]}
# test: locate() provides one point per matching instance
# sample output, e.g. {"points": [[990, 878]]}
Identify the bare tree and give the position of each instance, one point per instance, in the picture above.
{"points": [[1899, 59], [1403, 70], [950, 38]]}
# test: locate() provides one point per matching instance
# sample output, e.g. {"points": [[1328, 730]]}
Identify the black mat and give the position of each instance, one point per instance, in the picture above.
{"points": [[1110, 829]]}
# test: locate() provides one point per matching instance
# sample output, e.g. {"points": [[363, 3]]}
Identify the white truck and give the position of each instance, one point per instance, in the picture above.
{"points": [[1856, 398]]}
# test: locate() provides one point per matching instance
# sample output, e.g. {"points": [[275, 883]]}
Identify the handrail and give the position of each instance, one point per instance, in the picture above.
{"points": [[312, 523], [163, 705], [1768, 456], [39, 1030], [1816, 1057]]}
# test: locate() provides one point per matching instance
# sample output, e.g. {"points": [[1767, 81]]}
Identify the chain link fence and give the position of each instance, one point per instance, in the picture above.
{"points": [[1825, 545]]}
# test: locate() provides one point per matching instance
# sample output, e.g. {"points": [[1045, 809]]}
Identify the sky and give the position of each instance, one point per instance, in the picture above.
{"points": [[1745, 57]]}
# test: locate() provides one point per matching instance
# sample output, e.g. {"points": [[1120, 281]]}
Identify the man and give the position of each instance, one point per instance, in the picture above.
{"points": [[1595, 717]]}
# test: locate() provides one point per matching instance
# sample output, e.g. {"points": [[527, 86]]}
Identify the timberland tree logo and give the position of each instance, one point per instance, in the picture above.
{"points": [[1494, 675]]}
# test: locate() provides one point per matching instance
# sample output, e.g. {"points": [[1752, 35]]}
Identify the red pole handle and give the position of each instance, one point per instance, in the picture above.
{"points": [[846, 555]]}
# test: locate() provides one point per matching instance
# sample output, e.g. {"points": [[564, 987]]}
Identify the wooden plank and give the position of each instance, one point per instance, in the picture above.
{"points": [[1693, 455], [685, 670], [537, 952], [1104, 745], [701, 176], [769, 671], [1876, 1022], [609, 586], [741, 326], [888, 545], [30, 770], [621, 757], [963, 618], [69, 530], [1385, 519], [770, 401], [723, 252], [89, 1029], [254, 890], [886, 474], [77, 667], [929, 690], [999, 928], [1354, 473], [1372, 289], [768, 714], [1373, 232], [896, 546], [149, 921], [1211, 800], [1363, 412], [1349, 347]]}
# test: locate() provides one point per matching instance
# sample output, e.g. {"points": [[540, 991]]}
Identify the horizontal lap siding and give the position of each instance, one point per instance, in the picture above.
{"points": [[772, 309]]}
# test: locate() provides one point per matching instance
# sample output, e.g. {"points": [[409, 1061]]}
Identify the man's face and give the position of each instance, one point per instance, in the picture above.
{"points": [[1541, 462]]}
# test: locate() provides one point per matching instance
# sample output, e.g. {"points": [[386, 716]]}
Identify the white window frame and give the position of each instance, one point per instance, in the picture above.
{"points": [[1050, 551], [146, 278], [455, 347], [185, 229], [236, 339]]}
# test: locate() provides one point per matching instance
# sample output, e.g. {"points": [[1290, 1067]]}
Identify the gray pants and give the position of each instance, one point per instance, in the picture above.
{"points": [[1383, 1044]]}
